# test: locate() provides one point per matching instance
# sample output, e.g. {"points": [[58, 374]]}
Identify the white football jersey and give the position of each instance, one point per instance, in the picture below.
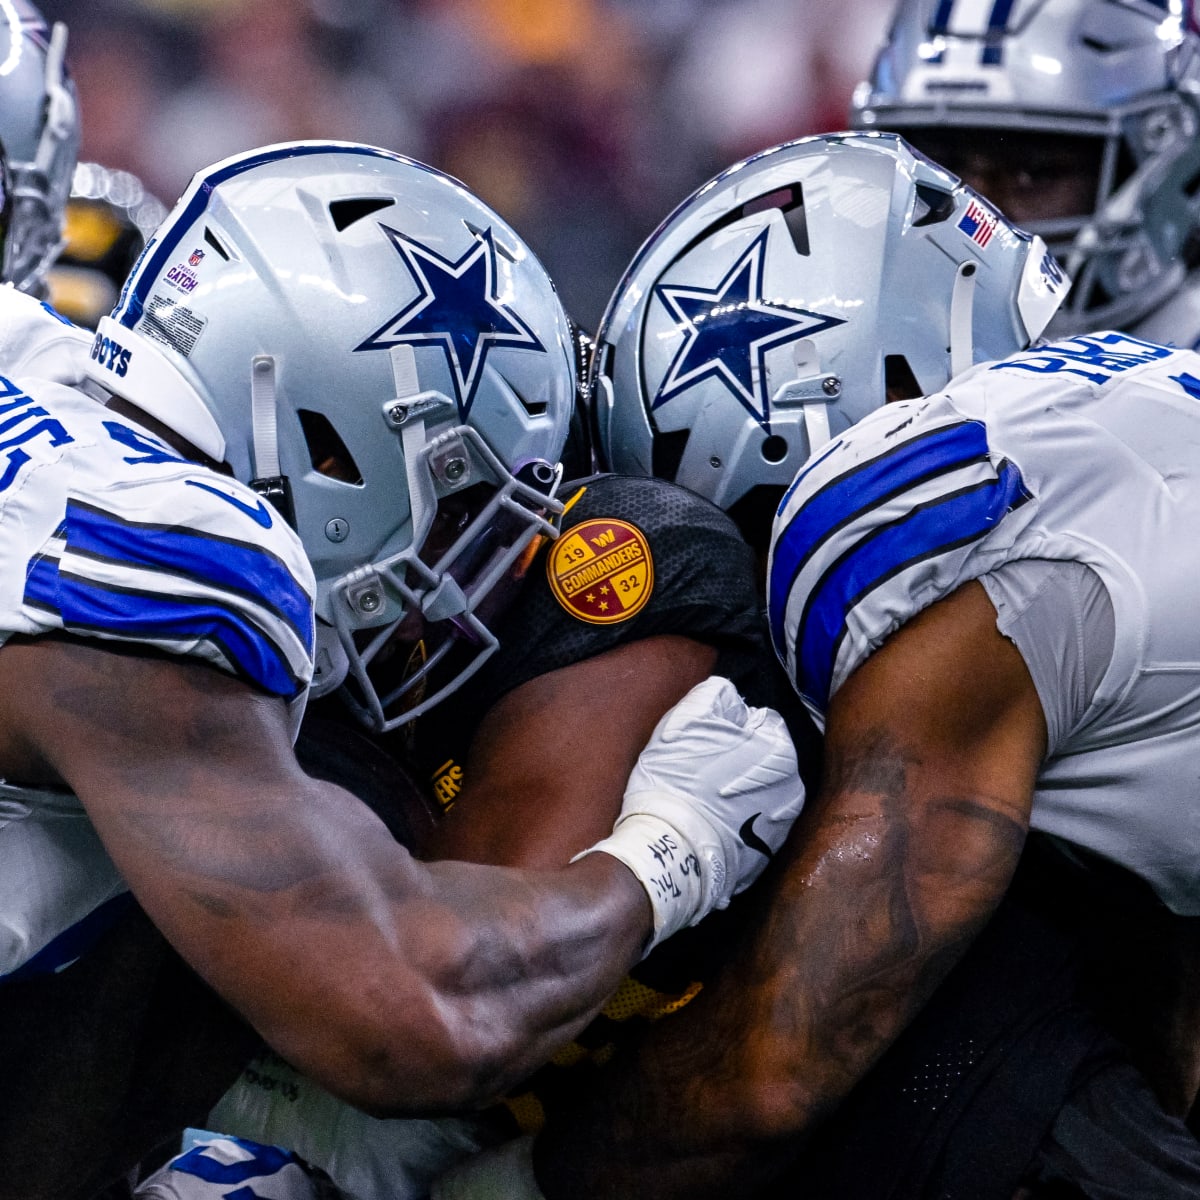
{"points": [[1085, 450], [107, 533]]}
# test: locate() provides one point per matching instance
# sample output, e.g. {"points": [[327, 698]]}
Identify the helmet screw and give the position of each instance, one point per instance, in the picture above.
{"points": [[715, 462], [831, 385], [337, 530], [368, 602], [454, 469], [397, 414]]}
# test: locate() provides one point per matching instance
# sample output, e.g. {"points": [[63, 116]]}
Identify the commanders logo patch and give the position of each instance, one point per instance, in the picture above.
{"points": [[601, 571]]}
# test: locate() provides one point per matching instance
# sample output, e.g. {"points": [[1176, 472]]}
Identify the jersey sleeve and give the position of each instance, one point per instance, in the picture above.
{"points": [[891, 517], [35, 340], [636, 558], [191, 564]]}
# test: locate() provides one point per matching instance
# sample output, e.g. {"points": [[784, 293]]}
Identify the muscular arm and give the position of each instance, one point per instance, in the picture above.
{"points": [[932, 750], [399, 986], [549, 764]]}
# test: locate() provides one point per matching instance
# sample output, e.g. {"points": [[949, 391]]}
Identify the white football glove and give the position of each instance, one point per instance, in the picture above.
{"points": [[710, 800]]}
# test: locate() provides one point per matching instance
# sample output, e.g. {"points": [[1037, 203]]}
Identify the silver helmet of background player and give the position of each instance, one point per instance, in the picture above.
{"points": [[370, 346], [39, 129], [109, 218], [789, 297], [1120, 75]]}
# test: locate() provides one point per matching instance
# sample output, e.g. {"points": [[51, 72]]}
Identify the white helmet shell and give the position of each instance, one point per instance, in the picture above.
{"points": [[359, 337], [775, 307]]}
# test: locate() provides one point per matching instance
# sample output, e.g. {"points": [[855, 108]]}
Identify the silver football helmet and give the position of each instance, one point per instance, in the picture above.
{"points": [[1121, 76], [39, 130], [365, 343], [789, 297]]}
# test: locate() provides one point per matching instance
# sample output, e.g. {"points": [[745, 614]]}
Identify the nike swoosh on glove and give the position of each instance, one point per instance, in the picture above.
{"points": [[713, 768]]}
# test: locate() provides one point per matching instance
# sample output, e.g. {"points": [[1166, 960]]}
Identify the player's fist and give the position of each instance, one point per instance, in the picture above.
{"points": [[711, 798]]}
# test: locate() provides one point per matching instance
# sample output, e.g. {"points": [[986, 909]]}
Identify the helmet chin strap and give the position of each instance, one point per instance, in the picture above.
{"points": [[268, 481], [446, 599], [263, 416], [962, 312], [412, 439], [815, 391], [816, 424]]}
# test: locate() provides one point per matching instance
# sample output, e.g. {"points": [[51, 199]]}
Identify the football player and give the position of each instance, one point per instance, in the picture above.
{"points": [[358, 344], [1079, 120], [982, 651], [646, 589]]}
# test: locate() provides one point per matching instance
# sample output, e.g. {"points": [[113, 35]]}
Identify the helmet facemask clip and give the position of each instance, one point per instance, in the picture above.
{"points": [[813, 390]]}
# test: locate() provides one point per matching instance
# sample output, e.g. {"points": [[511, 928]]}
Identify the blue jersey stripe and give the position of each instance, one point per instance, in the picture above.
{"points": [[133, 298], [226, 565], [262, 1162], [864, 486], [998, 20], [811, 465], [137, 616], [41, 585], [923, 533], [75, 941]]}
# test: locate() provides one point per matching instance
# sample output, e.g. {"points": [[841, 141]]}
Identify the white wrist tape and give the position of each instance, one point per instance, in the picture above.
{"points": [[665, 864]]}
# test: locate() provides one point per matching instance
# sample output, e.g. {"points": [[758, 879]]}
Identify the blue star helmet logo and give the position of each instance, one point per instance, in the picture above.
{"points": [[457, 309], [728, 331]]}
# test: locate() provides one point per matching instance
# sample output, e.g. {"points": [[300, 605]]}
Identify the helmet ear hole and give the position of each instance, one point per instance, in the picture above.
{"points": [[328, 453], [774, 449]]}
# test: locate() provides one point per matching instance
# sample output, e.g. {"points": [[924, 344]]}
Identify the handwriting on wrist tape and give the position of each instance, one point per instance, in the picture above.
{"points": [[667, 852]]}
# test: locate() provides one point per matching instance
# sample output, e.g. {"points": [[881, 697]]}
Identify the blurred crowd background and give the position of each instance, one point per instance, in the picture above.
{"points": [[583, 122]]}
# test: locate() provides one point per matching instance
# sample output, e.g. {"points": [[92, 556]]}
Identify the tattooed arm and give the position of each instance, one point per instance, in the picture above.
{"points": [[932, 750], [397, 985]]}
